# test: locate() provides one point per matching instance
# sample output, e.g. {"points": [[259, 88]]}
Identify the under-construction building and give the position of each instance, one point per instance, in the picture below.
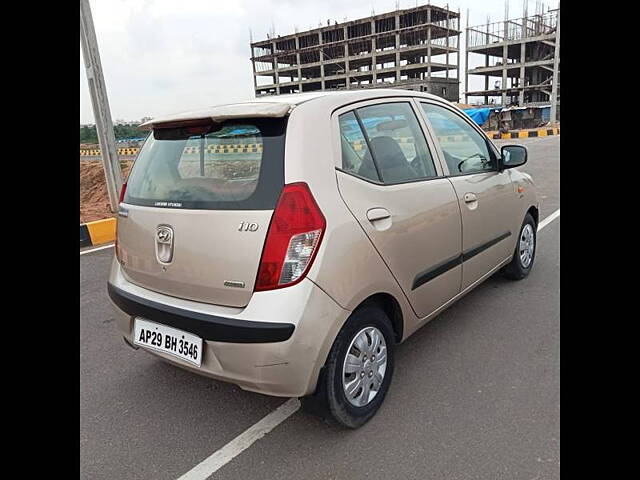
{"points": [[520, 61], [415, 49]]}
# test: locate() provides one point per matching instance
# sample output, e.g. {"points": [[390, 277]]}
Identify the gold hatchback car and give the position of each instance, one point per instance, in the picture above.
{"points": [[288, 243]]}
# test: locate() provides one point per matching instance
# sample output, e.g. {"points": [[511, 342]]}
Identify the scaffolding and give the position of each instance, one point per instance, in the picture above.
{"points": [[521, 61], [415, 48]]}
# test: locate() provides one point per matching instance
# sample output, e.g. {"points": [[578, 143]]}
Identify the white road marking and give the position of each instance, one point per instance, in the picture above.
{"points": [[96, 249], [243, 441], [549, 219]]}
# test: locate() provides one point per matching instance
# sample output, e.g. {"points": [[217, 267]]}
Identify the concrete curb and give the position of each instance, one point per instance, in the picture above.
{"points": [[535, 132], [98, 232]]}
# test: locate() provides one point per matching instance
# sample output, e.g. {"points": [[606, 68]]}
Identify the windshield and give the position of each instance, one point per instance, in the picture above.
{"points": [[234, 165]]}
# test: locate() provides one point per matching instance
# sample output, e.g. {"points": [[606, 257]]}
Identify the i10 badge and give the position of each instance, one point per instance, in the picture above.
{"points": [[248, 227]]}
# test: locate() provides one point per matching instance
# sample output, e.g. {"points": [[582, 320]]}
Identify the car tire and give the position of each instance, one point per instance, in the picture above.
{"points": [[330, 396], [525, 251]]}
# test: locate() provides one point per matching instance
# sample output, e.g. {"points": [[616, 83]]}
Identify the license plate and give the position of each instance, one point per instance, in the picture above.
{"points": [[169, 340]]}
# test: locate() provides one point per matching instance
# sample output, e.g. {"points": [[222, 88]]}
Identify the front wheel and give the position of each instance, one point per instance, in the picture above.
{"points": [[358, 370], [525, 251]]}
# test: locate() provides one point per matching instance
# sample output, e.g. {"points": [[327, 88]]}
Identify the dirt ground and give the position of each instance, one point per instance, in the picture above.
{"points": [[94, 200]]}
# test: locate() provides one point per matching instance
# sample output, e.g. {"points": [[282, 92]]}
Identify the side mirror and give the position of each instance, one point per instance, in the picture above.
{"points": [[513, 156]]}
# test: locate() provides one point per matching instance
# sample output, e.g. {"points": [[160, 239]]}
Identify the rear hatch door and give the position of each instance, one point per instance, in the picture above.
{"points": [[197, 208]]}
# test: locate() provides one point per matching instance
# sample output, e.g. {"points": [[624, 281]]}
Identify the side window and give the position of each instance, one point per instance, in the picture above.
{"points": [[354, 147], [465, 150], [397, 144]]}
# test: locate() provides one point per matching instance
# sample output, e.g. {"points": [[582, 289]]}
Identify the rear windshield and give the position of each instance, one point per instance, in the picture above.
{"points": [[236, 165]]}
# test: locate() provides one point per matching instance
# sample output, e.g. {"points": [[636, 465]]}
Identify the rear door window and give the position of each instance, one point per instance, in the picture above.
{"points": [[385, 140], [354, 148], [235, 165]]}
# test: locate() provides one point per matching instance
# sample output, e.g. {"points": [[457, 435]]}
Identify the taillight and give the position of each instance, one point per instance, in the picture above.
{"points": [[293, 238], [122, 190]]}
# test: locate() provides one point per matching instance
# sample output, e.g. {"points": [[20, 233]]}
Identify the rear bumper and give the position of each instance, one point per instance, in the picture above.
{"points": [[275, 345], [208, 327]]}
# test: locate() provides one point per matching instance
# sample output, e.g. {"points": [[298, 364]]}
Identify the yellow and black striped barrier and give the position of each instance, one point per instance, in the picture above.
{"points": [[95, 152], [532, 133], [246, 148], [98, 232], [249, 148], [360, 144], [89, 153]]}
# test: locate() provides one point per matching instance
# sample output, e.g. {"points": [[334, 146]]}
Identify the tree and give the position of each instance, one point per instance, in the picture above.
{"points": [[88, 134]]}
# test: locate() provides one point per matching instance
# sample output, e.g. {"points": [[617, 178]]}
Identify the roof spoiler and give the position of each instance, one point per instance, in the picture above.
{"points": [[220, 114]]}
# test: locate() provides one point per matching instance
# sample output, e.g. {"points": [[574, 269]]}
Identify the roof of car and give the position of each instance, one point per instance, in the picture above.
{"points": [[276, 105]]}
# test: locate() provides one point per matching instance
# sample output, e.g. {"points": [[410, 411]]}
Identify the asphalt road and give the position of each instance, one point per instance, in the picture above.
{"points": [[475, 394]]}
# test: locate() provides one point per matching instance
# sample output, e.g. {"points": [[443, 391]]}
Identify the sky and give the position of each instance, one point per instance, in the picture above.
{"points": [[164, 56]]}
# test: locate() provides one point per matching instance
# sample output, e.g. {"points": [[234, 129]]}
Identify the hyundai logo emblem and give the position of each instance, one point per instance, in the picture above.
{"points": [[164, 234]]}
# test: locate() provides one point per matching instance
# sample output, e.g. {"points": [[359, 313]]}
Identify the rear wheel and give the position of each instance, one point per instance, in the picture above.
{"points": [[358, 370], [525, 251]]}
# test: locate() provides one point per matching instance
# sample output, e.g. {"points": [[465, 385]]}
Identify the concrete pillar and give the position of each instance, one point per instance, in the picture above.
{"points": [[429, 48], [466, 61], [556, 74], [255, 79], [486, 64], [486, 79], [321, 60], [397, 27], [447, 40], [275, 68], [523, 48], [298, 63], [458, 56], [505, 51], [346, 58], [523, 55], [373, 52]]}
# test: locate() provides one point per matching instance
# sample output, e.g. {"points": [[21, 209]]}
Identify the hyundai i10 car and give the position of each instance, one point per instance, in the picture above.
{"points": [[287, 244]]}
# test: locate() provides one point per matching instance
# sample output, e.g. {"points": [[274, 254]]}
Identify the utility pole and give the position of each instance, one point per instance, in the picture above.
{"points": [[556, 73], [100, 103]]}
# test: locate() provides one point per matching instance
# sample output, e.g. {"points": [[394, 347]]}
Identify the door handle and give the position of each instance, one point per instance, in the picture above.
{"points": [[470, 198], [374, 214]]}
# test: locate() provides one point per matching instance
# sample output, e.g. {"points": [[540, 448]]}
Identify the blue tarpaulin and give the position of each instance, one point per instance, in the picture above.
{"points": [[478, 115]]}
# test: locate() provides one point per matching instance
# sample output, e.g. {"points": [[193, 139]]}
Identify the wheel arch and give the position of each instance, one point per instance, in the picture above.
{"points": [[533, 210], [391, 308]]}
